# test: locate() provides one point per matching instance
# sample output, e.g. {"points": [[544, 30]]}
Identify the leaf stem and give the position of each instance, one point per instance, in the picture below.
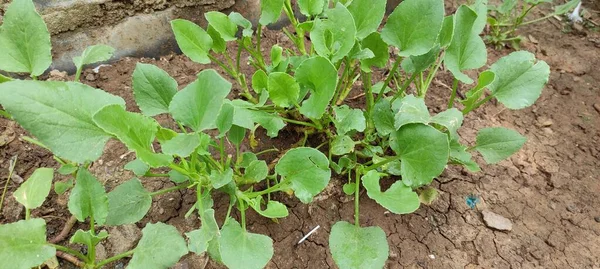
{"points": [[167, 190], [243, 213], [299, 122], [71, 251], [382, 163], [115, 258], [356, 200], [11, 169], [404, 86], [467, 110], [453, 95], [388, 79]]}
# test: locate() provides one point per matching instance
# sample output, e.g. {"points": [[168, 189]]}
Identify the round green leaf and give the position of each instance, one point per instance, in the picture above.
{"points": [[399, 198], [367, 15], [274, 209], [240, 249], [128, 203], [306, 170], [334, 37], [410, 109], [283, 89], [161, 247], [34, 191], [200, 238], [497, 144], [193, 41], [23, 244], [341, 145], [374, 43], [94, 54], [354, 247], [348, 119], [320, 76], [222, 24], [270, 10], [311, 7], [153, 89]]}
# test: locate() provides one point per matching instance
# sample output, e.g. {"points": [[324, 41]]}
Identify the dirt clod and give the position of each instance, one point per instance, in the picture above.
{"points": [[496, 221]]}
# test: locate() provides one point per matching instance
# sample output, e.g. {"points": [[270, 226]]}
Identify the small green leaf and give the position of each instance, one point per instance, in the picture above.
{"points": [[418, 64], [61, 187], [24, 40], [283, 89], [452, 119], [519, 79], [219, 179], [410, 109], [135, 130], [270, 10], [348, 119], [334, 37], [485, 79], [276, 55], [319, 76], [219, 45], [467, 50], [311, 7], [354, 247], [161, 247], [177, 177], [225, 119], [34, 191], [380, 49], [247, 159], [23, 244], [274, 209], [94, 54], [88, 198], [199, 239], [222, 24], [163, 135], [239, 20], [67, 169], [459, 154], [566, 7], [198, 104], [414, 26], [138, 167], [481, 8], [349, 188], [260, 81], [447, 32], [399, 198], [424, 153], [272, 122], [497, 144], [128, 203], [193, 41], [243, 250], [236, 135], [256, 171], [367, 15], [383, 117], [88, 238], [182, 145], [59, 115], [307, 170], [342, 145], [428, 196], [153, 89]]}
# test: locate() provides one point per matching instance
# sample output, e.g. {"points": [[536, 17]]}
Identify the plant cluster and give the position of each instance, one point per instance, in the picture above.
{"points": [[505, 18], [394, 136]]}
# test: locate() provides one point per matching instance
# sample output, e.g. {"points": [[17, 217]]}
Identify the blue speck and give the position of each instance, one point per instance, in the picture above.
{"points": [[472, 200]]}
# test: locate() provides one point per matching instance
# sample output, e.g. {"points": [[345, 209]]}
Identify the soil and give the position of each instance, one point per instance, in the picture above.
{"points": [[549, 190]]}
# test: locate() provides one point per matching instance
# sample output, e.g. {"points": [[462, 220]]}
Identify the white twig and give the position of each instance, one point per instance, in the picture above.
{"points": [[308, 234], [575, 17]]}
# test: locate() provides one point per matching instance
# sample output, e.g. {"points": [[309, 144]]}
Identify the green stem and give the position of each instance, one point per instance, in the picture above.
{"points": [[78, 73], [382, 163], [477, 105], [167, 190], [148, 174], [453, 95], [27, 213], [404, 86], [299, 122], [71, 251], [115, 258], [222, 65], [267, 151], [199, 199], [356, 200], [11, 169], [91, 247], [388, 79], [273, 188], [370, 102], [243, 213], [432, 73]]}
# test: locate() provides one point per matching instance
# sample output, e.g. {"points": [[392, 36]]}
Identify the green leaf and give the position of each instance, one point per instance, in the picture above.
{"points": [[270, 10], [219, 45], [507, 6], [519, 79], [260, 81], [161, 247], [452, 119], [34, 191], [566, 7], [342, 145], [93, 54], [283, 89], [383, 117], [199, 239], [239, 20], [272, 122], [128, 203], [243, 250], [414, 26], [177, 177], [307, 170], [256, 171], [424, 153], [320, 76], [219, 179], [153, 89], [61, 187], [334, 37], [24, 40], [247, 159], [348, 119], [138, 167], [135, 130], [67, 169], [418, 64], [236, 135], [225, 118], [182, 145], [199, 103], [88, 238], [274, 209], [354, 247], [398, 199], [193, 41], [497, 144], [410, 109], [59, 115], [481, 8], [367, 15], [23, 244], [222, 24], [428, 196], [447, 32], [485, 79], [349, 188], [467, 50], [163, 134], [88, 198], [276, 55], [459, 154], [311, 7], [374, 43]]}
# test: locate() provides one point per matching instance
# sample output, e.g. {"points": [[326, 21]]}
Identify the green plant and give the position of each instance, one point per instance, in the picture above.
{"points": [[393, 136], [505, 18]]}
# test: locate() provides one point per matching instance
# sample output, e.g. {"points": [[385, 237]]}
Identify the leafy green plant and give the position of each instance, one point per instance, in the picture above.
{"points": [[393, 136], [505, 18]]}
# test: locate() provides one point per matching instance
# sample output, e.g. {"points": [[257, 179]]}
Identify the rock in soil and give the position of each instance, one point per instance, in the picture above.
{"points": [[597, 107], [496, 221], [124, 238], [597, 219]]}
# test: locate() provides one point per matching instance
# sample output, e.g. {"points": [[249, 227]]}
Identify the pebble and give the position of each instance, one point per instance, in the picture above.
{"points": [[572, 208], [495, 221], [597, 219], [90, 77], [597, 107]]}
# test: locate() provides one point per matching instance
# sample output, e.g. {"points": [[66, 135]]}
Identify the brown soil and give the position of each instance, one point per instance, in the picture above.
{"points": [[549, 190]]}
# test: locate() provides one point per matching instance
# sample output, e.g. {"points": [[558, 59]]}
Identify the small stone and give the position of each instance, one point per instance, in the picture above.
{"points": [[90, 77], [496, 221], [597, 107], [597, 219], [56, 75], [533, 39], [572, 208]]}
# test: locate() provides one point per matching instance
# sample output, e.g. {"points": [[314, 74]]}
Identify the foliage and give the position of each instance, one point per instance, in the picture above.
{"points": [[393, 137]]}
